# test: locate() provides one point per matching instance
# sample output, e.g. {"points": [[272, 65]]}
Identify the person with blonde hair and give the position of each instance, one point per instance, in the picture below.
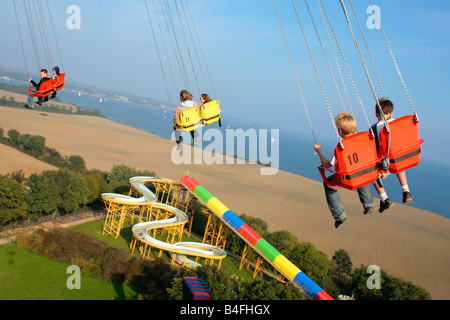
{"points": [[346, 125], [187, 102]]}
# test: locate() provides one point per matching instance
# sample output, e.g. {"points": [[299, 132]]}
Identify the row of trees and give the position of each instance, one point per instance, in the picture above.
{"points": [[34, 145], [59, 191]]}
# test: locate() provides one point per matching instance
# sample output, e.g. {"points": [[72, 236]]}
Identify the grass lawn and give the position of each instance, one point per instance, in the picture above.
{"points": [[29, 276]]}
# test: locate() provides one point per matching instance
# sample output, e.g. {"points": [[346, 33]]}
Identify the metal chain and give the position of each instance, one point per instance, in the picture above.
{"points": [[345, 64], [368, 51], [317, 74], [395, 61], [295, 73]]}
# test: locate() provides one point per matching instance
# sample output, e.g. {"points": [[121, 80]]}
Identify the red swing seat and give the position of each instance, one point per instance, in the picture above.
{"points": [[49, 86], [405, 146], [356, 163], [59, 81]]}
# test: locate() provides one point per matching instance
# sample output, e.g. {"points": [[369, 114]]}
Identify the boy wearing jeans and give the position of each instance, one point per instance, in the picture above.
{"points": [[346, 125]]}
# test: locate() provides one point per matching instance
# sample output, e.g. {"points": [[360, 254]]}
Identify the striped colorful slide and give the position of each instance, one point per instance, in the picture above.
{"points": [[273, 256]]}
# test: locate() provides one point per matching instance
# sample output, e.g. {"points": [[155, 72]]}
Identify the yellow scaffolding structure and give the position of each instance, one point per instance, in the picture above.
{"points": [[170, 196], [215, 231], [117, 214], [172, 233], [248, 259]]}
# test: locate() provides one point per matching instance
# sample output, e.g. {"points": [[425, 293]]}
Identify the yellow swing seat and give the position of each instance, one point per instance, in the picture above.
{"points": [[189, 120], [210, 112]]}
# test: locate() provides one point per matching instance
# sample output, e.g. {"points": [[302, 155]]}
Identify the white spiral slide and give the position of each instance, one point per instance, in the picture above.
{"points": [[142, 230]]}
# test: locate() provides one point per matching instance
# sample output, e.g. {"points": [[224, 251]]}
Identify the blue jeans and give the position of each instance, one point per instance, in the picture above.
{"points": [[335, 204], [31, 101], [179, 138]]}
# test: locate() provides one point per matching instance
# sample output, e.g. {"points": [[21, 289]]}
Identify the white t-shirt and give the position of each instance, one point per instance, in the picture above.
{"points": [[380, 125]]}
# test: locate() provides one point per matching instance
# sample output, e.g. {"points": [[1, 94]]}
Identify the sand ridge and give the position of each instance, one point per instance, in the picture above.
{"points": [[411, 243]]}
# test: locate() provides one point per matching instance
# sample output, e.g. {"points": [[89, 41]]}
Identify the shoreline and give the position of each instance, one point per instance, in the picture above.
{"points": [[407, 242]]}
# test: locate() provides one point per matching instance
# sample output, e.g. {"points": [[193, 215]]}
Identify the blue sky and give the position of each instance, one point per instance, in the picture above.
{"points": [[248, 61]]}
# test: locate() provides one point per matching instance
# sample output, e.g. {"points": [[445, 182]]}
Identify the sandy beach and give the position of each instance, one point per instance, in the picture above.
{"points": [[407, 242]]}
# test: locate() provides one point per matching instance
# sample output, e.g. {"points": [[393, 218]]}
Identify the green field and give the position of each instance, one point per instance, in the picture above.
{"points": [[30, 276]]}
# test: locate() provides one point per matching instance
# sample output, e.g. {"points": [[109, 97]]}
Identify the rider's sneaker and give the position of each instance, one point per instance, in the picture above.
{"points": [[407, 197], [384, 205]]}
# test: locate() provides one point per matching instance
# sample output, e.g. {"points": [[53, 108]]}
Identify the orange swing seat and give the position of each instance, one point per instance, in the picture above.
{"points": [[356, 162], [405, 148], [49, 86]]}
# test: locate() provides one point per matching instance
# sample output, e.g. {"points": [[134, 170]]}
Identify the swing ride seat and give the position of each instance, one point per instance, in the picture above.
{"points": [[49, 86], [405, 146], [189, 120], [210, 112], [356, 163], [59, 81], [44, 90]]}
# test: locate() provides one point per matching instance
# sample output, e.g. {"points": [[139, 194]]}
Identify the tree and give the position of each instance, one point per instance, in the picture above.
{"points": [[37, 146], [97, 185], [343, 262], [258, 225], [18, 175], [43, 196], [234, 242], [155, 279], [311, 261], [54, 157], [24, 142], [342, 267], [122, 173], [269, 290], [76, 163], [13, 135], [12, 201], [391, 288], [34, 145], [119, 178], [398, 289], [72, 189], [223, 287], [283, 241]]}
